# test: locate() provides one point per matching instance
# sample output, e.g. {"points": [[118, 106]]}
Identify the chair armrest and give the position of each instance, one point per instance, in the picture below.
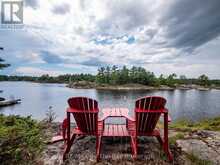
{"points": [[162, 111], [152, 111], [169, 118]]}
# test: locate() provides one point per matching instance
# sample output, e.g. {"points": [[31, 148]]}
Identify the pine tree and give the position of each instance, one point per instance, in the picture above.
{"points": [[203, 80], [2, 65]]}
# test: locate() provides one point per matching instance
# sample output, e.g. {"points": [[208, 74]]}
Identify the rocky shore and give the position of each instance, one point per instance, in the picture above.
{"points": [[93, 85], [191, 147]]}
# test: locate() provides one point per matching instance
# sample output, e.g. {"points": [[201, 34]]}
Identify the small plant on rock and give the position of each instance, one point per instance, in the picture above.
{"points": [[50, 115]]}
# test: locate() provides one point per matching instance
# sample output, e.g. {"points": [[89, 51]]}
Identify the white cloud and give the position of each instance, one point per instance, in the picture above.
{"points": [[32, 71], [97, 32], [30, 57]]}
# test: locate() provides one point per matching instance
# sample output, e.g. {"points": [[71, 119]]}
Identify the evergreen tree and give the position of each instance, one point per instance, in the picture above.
{"points": [[3, 65], [100, 78], [114, 75], [124, 76], [162, 79], [133, 72], [171, 79], [203, 80], [107, 74]]}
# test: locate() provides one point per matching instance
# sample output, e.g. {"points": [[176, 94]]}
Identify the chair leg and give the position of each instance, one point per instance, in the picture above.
{"points": [[167, 150], [166, 140], [134, 146], [64, 128], [169, 155], [98, 147], [68, 146], [165, 145]]}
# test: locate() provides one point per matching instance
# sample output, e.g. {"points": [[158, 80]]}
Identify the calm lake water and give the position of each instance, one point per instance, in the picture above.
{"points": [[36, 99]]}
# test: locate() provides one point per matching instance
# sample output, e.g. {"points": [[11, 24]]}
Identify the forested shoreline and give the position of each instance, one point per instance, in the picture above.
{"points": [[119, 76]]}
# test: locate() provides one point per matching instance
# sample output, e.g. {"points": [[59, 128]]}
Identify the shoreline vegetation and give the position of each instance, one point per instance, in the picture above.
{"points": [[25, 139], [123, 78], [127, 87]]}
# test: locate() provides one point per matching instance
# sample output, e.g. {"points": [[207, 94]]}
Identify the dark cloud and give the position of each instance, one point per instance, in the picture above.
{"points": [[50, 58], [61, 9], [147, 35], [151, 32], [190, 24], [125, 16], [93, 61], [32, 3]]}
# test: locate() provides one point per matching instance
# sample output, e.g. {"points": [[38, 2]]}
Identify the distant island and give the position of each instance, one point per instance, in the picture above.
{"points": [[115, 78], [93, 85]]}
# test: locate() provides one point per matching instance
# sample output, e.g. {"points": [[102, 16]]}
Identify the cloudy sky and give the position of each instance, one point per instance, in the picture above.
{"points": [[78, 36]]}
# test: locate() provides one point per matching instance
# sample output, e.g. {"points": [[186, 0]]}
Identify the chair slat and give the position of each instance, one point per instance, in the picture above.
{"points": [[121, 131], [86, 122], [146, 122], [110, 130]]}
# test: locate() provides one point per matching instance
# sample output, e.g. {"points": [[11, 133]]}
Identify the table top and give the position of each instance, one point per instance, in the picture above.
{"points": [[115, 130], [115, 112]]}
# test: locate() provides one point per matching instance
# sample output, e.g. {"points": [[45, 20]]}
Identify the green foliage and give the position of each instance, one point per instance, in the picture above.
{"points": [[171, 80], [21, 139], [208, 124], [203, 80], [115, 76], [173, 139], [49, 79], [50, 115], [101, 78], [183, 125]]}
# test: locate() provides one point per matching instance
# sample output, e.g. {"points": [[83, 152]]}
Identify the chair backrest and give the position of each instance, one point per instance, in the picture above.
{"points": [[145, 121], [86, 115]]}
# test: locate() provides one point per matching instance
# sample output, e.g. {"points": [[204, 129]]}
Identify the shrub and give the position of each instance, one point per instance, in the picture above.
{"points": [[173, 139], [21, 139]]}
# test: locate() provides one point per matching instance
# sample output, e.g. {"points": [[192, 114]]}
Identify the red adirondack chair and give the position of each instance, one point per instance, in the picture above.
{"points": [[85, 111], [147, 113]]}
